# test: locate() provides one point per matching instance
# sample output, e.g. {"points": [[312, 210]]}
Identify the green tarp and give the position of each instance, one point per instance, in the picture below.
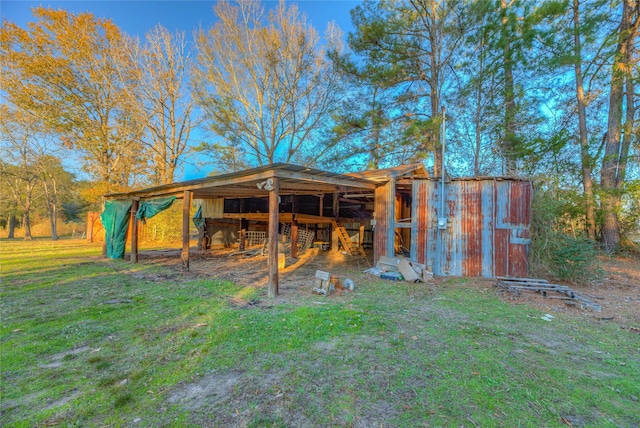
{"points": [[148, 209], [115, 220], [198, 221]]}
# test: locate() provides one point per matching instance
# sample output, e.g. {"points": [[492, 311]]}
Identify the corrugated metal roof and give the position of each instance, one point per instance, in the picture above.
{"points": [[384, 175]]}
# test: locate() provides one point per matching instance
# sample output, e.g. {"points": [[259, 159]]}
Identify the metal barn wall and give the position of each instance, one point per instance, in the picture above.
{"points": [[488, 227], [384, 216]]}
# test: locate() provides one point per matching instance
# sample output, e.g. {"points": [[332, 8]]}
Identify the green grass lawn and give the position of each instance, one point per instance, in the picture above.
{"points": [[93, 342]]}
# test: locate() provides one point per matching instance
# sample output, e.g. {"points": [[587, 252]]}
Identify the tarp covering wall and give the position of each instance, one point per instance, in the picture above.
{"points": [[115, 220], [211, 208], [198, 221], [152, 207]]}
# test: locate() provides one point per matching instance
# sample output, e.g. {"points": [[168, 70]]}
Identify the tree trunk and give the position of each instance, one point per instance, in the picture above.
{"points": [[51, 207], [509, 145], [629, 123], [582, 124], [610, 179], [12, 227], [26, 225], [434, 85], [54, 217]]}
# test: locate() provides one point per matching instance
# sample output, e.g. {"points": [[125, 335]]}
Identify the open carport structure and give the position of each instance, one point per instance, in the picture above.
{"points": [[272, 182]]}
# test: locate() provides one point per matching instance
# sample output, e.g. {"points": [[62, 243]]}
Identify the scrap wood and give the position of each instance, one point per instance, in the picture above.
{"points": [[516, 285], [411, 271]]}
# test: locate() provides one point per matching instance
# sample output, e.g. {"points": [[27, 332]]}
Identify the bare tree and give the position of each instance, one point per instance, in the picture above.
{"points": [[263, 79], [18, 165], [162, 100]]}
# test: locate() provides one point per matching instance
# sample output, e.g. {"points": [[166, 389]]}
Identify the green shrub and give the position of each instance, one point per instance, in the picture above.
{"points": [[559, 247]]}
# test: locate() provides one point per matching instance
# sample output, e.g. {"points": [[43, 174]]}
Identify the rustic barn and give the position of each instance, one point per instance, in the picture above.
{"points": [[474, 227]]}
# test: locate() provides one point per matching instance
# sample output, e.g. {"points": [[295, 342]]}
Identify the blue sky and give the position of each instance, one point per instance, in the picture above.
{"points": [[137, 17]]}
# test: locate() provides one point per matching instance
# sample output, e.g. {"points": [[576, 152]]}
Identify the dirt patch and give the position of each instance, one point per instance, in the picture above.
{"points": [[56, 360], [617, 292], [64, 400], [208, 391]]}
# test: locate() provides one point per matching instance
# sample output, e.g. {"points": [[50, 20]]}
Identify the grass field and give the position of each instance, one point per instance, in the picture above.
{"points": [[92, 342]]}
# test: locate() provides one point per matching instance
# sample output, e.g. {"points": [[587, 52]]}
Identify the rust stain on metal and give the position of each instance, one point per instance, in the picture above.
{"points": [[487, 230]]}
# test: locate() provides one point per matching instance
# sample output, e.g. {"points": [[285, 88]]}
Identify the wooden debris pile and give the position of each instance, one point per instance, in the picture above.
{"points": [[326, 283], [396, 269], [517, 285]]}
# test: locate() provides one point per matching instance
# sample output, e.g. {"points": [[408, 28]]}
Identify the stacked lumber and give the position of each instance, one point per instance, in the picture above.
{"points": [[544, 287]]}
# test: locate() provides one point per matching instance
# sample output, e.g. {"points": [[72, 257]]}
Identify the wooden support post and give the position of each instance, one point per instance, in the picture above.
{"points": [[361, 236], [294, 227], [274, 209], [104, 240], [334, 232], [186, 214], [294, 237], [134, 231], [321, 214], [244, 225]]}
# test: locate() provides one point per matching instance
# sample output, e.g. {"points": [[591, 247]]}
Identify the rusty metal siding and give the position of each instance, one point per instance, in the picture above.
{"points": [[384, 218], [488, 227]]}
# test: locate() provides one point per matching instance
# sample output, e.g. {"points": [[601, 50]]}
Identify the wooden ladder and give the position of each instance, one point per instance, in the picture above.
{"points": [[346, 241]]}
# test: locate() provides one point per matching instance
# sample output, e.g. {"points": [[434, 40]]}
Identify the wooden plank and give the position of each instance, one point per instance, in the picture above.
{"points": [[186, 211], [134, 231], [274, 196], [403, 225], [334, 239], [407, 271], [532, 285], [322, 275], [343, 236], [294, 239], [510, 278], [284, 217], [336, 180]]}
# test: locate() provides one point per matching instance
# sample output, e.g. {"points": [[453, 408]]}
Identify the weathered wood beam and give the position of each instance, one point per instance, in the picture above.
{"points": [[334, 233], [274, 203], [134, 231], [323, 179], [294, 228], [294, 238], [244, 225], [283, 217], [193, 185], [186, 214]]}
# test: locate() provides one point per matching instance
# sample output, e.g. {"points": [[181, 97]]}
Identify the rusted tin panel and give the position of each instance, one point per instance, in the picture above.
{"points": [[384, 218], [520, 204], [420, 221], [472, 228], [488, 227]]}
